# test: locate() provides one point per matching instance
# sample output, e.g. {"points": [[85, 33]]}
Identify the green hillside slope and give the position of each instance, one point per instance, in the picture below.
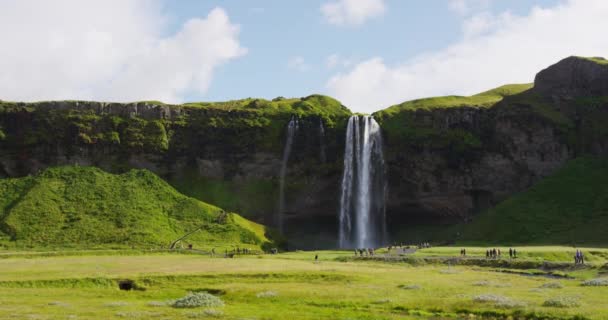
{"points": [[85, 206], [570, 207]]}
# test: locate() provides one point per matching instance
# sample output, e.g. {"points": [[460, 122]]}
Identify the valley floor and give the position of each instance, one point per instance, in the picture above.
{"points": [[427, 285]]}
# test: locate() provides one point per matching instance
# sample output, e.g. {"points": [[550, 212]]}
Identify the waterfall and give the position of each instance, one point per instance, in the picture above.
{"points": [[292, 127], [362, 219], [323, 156]]}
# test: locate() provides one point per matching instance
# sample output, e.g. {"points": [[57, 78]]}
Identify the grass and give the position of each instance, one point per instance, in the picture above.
{"points": [[598, 60], [282, 286], [83, 207], [482, 100], [569, 207]]}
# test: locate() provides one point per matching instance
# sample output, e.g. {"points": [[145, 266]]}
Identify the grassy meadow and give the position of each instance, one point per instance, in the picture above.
{"points": [[294, 286]]}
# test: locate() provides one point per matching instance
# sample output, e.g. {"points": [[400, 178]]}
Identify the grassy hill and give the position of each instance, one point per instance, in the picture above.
{"points": [[570, 207], [484, 99], [85, 206]]}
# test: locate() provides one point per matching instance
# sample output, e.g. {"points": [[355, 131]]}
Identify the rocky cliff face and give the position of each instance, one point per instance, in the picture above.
{"points": [[453, 162], [446, 162], [227, 154]]}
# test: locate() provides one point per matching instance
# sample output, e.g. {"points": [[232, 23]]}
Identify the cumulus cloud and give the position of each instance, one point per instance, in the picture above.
{"points": [[464, 7], [108, 50], [509, 49], [352, 12], [298, 63]]}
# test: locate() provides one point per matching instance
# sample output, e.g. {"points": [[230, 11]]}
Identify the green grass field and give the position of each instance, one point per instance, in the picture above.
{"points": [[294, 286]]}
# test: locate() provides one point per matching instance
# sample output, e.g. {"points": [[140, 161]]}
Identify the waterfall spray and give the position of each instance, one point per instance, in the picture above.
{"points": [[292, 128], [362, 220]]}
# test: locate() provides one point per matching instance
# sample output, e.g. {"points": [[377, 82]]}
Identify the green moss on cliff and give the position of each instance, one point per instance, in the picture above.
{"points": [[69, 206], [481, 100], [569, 207], [598, 60], [240, 124], [313, 105]]}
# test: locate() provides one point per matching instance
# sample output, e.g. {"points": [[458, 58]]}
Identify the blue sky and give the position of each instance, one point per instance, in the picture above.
{"points": [[276, 31], [369, 54]]}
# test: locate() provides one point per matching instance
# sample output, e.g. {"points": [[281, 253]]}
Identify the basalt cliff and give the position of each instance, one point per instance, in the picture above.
{"points": [[448, 158]]}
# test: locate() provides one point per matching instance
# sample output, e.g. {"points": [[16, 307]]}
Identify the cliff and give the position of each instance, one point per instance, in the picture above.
{"points": [[227, 153], [449, 158]]}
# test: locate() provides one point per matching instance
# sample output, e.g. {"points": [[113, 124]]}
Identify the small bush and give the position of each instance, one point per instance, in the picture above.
{"points": [[490, 298], [510, 304], [552, 285], [499, 301], [562, 302], [199, 299], [599, 282], [116, 304], [482, 283], [267, 294], [409, 286], [486, 283]]}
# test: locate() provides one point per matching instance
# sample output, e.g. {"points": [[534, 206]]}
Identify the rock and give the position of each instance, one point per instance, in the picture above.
{"points": [[574, 77]]}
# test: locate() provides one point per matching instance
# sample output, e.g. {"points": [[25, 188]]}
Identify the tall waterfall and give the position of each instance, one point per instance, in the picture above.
{"points": [[292, 127], [364, 188]]}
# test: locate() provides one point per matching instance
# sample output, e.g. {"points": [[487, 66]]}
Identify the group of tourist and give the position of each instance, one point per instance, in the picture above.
{"points": [[424, 245], [493, 253], [579, 258], [367, 252]]}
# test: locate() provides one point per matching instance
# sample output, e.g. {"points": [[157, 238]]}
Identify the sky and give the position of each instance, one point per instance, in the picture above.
{"points": [[369, 54]]}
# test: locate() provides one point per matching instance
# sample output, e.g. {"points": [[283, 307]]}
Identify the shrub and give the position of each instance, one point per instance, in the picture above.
{"points": [[562, 302], [499, 301], [409, 286], [552, 285], [199, 299], [116, 304], [267, 294], [490, 298], [599, 282]]}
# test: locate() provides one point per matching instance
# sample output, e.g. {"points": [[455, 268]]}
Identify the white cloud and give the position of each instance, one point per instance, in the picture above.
{"points": [[352, 12], [465, 7], [298, 63], [335, 60], [113, 50], [510, 49]]}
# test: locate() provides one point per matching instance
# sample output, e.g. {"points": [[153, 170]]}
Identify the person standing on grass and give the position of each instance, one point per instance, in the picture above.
{"points": [[511, 253]]}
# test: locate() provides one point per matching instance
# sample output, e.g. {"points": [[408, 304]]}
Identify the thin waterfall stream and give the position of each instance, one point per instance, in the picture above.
{"points": [[292, 128]]}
